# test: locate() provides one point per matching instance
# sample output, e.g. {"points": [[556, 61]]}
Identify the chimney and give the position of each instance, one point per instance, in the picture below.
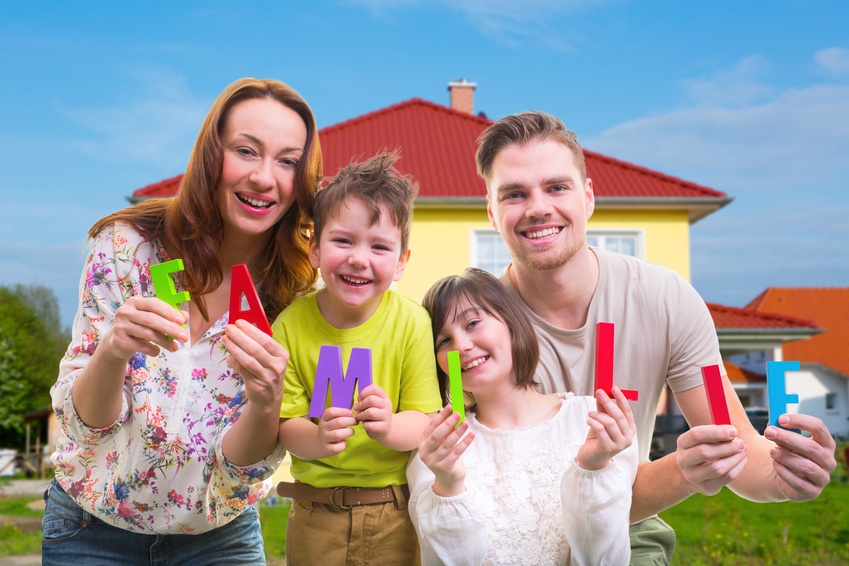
{"points": [[462, 95]]}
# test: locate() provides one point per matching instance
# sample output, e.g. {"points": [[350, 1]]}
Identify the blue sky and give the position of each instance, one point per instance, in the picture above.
{"points": [[750, 98]]}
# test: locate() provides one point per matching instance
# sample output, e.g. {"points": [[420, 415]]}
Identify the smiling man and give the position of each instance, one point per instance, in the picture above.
{"points": [[539, 198]]}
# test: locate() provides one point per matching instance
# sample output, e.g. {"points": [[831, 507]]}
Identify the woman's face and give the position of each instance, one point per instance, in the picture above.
{"points": [[263, 140], [485, 347]]}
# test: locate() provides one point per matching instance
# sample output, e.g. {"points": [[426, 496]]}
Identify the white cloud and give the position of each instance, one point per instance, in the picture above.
{"points": [[505, 21], [790, 139], [732, 87], [783, 155], [832, 62], [158, 125]]}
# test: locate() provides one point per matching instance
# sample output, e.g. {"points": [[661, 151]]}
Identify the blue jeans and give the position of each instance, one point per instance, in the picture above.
{"points": [[71, 536]]}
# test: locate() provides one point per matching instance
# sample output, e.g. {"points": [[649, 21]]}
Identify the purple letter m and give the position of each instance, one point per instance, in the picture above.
{"points": [[329, 371]]}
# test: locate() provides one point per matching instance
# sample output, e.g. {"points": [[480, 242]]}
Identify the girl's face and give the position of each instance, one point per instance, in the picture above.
{"points": [[485, 347], [263, 141]]}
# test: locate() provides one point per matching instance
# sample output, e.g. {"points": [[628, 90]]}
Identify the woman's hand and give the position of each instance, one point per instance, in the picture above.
{"points": [[611, 431], [261, 362], [440, 448], [144, 325]]}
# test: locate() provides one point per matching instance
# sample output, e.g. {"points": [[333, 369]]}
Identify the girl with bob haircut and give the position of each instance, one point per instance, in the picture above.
{"points": [[169, 417], [526, 478]]}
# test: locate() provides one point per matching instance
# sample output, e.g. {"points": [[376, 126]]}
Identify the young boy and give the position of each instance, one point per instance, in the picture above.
{"points": [[350, 498]]}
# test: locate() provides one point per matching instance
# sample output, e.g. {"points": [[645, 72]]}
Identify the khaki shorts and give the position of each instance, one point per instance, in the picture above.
{"points": [[652, 543], [325, 535]]}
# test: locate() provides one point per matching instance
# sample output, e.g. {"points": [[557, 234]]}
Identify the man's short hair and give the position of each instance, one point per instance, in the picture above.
{"points": [[522, 128], [375, 182]]}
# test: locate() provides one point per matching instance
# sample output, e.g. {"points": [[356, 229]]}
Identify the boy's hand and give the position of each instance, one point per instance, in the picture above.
{"points": [[440, 448], [260, 361], [611, 430], [374, 410], [333, 428]]}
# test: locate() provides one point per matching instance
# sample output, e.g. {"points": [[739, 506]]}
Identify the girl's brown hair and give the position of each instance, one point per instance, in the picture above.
{"points": [[483, 291], [192, 225]]}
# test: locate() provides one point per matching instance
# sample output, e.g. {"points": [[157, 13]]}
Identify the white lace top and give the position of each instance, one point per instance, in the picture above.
{"points": [[527, 502]]}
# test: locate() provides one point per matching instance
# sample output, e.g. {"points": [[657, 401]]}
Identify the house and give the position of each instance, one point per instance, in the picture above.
{"points": [[638, 211], [823, 382]]}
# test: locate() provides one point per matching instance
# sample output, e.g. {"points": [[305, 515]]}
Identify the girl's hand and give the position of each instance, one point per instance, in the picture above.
{"points": [[261, 362], [611, 431], [440, 448], [333, 428], [143, 325], [374, 410]]}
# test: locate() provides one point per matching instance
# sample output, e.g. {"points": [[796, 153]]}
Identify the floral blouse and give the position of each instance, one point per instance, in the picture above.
{"points": [[159, 468]]}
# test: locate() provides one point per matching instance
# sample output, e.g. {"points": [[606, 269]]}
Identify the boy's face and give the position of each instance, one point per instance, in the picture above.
{"points": [[358, 262]]}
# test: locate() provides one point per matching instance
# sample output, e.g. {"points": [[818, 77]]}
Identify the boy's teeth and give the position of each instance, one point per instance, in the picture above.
{"points": [[256, 203], [543, 233], [354, 281], [475, 363]]}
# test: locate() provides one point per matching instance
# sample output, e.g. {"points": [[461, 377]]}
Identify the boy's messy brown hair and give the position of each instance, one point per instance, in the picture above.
{"points": [[375, 182]]}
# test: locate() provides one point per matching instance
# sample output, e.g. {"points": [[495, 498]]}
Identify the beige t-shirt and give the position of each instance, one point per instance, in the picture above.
{"points": [[663, 333]]}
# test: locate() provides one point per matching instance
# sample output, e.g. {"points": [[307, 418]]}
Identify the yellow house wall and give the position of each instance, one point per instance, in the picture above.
{"points": [[440, 241]]}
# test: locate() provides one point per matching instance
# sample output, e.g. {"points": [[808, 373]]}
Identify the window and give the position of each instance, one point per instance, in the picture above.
{"points": [[488, 251], [490, 254], [831, 401], [627, 242]]}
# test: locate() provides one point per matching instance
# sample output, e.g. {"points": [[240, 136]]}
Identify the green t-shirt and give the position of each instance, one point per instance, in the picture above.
{"points": [[403, 365]]}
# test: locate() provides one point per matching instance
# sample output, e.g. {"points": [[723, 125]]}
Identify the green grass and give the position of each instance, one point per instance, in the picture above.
{"points": [[23, 534], [719, 530], [273, 520], [728, 530]]}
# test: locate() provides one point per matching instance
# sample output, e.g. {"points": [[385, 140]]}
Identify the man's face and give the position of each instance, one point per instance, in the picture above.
{"points": [[538, 202]]}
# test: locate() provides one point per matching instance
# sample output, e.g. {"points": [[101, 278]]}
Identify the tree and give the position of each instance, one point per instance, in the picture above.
{"points": [[31, 345]]}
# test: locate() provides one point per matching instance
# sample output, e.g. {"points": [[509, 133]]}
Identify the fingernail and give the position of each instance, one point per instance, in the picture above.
{"points": [[731, 431], [769, 433], [740, 444], [783, 420]]}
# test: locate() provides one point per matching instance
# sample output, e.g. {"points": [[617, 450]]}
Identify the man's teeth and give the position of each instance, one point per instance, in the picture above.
{"points": [[475, 363], [542, 233], [354, 281], [256, 203]]}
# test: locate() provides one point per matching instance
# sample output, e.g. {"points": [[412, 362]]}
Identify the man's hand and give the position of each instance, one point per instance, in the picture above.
{"points": [[802, 464], [711, 456]]}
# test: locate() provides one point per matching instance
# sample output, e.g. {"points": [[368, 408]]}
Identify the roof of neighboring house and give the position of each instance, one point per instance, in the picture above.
{"points": [[828, 307], [751, 319], [736, 373], [438, 146]]}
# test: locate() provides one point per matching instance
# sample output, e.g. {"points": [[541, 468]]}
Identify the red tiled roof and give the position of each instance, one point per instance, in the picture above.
{"points": [[166, 188], [829, 307], [732, 317], [736, 373], [438, 146]]}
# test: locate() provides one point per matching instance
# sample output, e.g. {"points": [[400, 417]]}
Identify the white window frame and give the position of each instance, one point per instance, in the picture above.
{"points": [[474, 234], [638, 234]]}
